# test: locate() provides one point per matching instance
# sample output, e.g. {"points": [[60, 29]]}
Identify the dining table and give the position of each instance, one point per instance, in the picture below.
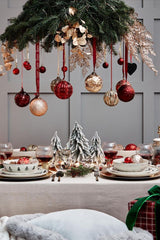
{"points": [[107, 195]]}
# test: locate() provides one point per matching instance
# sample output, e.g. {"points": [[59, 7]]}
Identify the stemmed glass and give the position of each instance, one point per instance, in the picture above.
{"points": [[146, 152], [110, 151], [7, 149], [44, 154]]}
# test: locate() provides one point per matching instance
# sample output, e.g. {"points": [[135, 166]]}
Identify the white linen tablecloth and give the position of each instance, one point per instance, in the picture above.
{"points": [[44, 196]]}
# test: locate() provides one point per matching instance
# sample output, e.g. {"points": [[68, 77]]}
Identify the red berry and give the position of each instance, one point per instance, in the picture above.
{"points": [[105, 65], [131, 147], [64, 69], [16, 71], [120, 61], [23, 149], [26, 63], [28, 67], [128, 160], [42, 69]]}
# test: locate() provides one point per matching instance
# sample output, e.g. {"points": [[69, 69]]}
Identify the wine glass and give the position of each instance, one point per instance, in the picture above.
{"points": [[44, 154], [110, 151], [7, 149], [145, 151]]}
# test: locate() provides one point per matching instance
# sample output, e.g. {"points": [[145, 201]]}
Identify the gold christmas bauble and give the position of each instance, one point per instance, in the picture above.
{"points": [[111, 98], [7, 66], [93, 83], [54, 82], [38, 106]]}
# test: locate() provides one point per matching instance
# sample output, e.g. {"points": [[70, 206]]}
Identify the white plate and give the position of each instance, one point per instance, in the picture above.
{"points": [[39, 172], [151, 170]]}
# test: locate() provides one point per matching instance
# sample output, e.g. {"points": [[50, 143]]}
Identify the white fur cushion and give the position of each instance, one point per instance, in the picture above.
{"points": [[83, 224]]}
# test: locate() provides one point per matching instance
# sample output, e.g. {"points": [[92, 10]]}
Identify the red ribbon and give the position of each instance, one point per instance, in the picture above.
{"points": [[22, 69], [126, 61], [37, 69], [123, 63], [94, 53], [111, 67]]}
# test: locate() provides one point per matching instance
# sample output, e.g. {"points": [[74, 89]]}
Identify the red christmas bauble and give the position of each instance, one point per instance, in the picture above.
{"points": [[22, 98], [42, 69], [16, 71], [28, 67], [64, 69], [105, 65], [131, 146], [126, 93], [120, 61], [25, 64], [120, 83], [63, 89]]}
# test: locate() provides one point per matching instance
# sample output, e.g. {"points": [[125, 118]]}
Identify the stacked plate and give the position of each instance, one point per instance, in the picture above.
{"points": [[139, 170]]}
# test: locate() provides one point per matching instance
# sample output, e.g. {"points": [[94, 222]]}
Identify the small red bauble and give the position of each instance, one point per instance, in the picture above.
{"points": [[25, 64], [22, 98], [126, 93], [16, 71], [131, 146], [23, 149], [128, 160], [42, 69], [105, 65], [120, 61], [64, 69], [28, 67], [120, 83], [63, 89]]}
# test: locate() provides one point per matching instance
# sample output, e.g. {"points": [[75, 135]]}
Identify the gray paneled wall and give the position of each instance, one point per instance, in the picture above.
{"points": [[135, 121]]}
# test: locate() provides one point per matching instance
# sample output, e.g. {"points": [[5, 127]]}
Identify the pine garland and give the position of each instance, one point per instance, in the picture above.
{"points": [[107, 20]]}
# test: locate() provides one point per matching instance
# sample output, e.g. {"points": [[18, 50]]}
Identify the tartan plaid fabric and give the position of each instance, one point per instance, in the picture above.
{"points": [[146, 217]]}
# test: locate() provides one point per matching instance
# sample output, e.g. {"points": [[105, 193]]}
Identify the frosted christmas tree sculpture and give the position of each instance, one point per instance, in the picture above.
{"points": [[97, 153], [78, 144], [56, 143]]}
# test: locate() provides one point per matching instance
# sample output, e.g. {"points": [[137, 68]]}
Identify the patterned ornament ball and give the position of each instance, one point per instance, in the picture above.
{"points": [[54, 82], [63, 89], [42, 69], [64, 69], [15, 71], [105, 65], [22, 98], [126, 93], [120, 61], [120, 83], [111, 98], [93, 83], [38, 106]]}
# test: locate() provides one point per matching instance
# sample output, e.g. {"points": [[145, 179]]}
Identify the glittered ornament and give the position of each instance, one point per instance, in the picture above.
{"points": [[28, 67], [54, 82], [22, 98], [63, 89], [25, 64], [7, 66], [120, 83], [111, 98], [105, 65], [38, 106], [16, 71], [126, 93], [42, 69], [93, 83], [64, 69], [120, 61]]}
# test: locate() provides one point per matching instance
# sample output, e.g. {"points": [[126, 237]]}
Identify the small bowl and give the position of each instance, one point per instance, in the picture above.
{"points": [[10, 166], [119, 164]]}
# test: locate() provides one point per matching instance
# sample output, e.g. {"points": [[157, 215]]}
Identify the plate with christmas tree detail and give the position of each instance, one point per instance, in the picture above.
{"points": [[149, 171]]}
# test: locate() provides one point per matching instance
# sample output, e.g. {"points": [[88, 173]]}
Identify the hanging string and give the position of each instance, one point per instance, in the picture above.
{"points": [[105, 52], [37, 69], [130, 57], [58, 67], [123, 64], [41, 55], [22, 69], [111, 67], [16, 59], [27, 52], [120, 50], [126, 61], [94, 53], [63, 61]]}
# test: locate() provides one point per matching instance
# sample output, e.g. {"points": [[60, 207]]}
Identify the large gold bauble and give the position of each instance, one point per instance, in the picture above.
{"points": [[111, 98], [54, 82], [38, 106], [93, 83]]}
